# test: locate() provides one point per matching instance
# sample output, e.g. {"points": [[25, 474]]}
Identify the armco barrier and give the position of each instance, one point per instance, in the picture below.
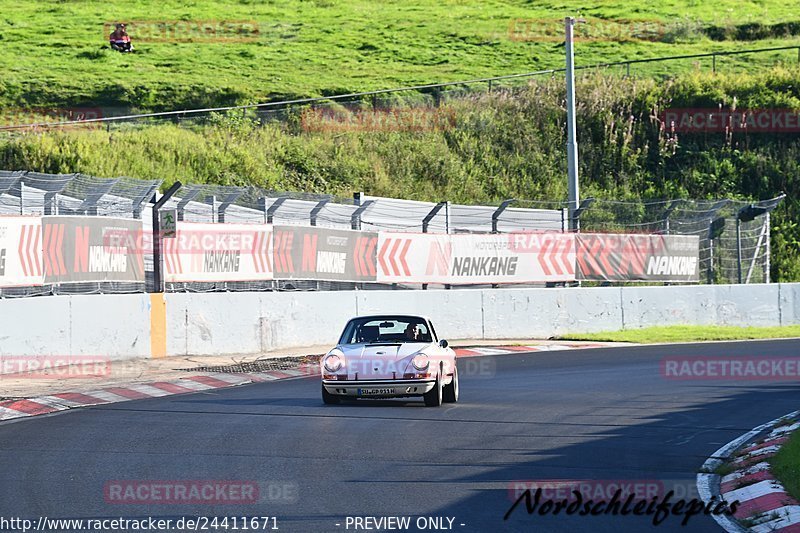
{"points": [[141, 325]]}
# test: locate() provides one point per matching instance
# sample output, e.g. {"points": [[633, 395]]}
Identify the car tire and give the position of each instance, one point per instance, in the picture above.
{"points": [[328, 398], [433, 398], [450, 393]]}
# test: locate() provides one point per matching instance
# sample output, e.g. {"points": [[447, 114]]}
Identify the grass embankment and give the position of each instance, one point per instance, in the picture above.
{"points": [[53, 53], [485, 148], [786, 465], [688, 334]]}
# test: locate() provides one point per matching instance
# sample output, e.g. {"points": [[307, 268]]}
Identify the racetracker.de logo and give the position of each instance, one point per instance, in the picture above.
{"points": [[42, 117], [552, 30], [188, 31], [203, 492], [716, 120], [397, 119], [731, 368], [54, 366]]}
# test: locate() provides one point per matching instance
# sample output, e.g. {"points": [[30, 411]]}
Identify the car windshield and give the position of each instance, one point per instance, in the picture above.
{"points": [[386, 329]]}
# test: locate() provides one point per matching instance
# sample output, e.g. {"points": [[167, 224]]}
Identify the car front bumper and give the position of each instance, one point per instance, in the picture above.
{"points": [[379, 388]]}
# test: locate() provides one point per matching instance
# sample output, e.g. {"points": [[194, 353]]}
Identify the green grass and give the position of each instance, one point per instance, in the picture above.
{"points": [[688, 334], [52, 53], [786, 465]]}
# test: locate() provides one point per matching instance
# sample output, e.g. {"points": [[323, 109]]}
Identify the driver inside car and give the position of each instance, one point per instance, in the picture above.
{"points": [[412, 332]]}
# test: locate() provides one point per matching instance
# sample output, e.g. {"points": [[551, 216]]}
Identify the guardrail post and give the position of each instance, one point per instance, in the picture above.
{"points": [[274, 208], [499, 211], [495, 217], [355, 219], [315, 211], [158, 265], [188, 195], [227, 202], [426, 223], [576, 215]]}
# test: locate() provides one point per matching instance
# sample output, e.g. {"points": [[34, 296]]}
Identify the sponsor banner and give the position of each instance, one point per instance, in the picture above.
{"points": [[613, 257], [468, 259], [218, 252], [21, 251], [77, 249], [715, 120], [324, 254]]}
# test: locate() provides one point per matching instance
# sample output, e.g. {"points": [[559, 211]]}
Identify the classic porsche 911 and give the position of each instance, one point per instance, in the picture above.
{"points": [[390, 356]]}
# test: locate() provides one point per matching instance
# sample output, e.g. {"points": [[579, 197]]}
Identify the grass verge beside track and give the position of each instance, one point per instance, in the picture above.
{"points": [[688, 334], [786, 465]]}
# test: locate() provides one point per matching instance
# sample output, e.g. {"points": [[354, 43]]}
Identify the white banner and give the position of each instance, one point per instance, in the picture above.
{"points": [[21, 251], [218, 252], [476, 258]]}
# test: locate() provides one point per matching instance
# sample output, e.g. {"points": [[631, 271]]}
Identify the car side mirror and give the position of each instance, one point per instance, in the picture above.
{"points": [[443, 343]]}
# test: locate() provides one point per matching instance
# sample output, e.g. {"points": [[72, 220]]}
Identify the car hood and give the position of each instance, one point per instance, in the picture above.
{"points": [[381, 360], [382, 350]]}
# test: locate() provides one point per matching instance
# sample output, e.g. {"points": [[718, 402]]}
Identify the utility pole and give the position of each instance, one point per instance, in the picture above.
{"points": [[572, 146]]}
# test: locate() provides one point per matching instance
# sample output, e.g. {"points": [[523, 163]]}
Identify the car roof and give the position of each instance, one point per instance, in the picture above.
{"points": [[392, 315]]}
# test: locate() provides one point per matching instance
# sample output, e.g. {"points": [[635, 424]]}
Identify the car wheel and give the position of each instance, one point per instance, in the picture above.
{"points": [[328, 398], [450, 394], [433, 398]]}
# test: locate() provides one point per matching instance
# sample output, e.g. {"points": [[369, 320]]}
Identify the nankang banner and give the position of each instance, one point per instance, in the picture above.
{"points": [[307, 252], [21, 251], [476, 258], [77, 249], [611, 257], [218, 252]]}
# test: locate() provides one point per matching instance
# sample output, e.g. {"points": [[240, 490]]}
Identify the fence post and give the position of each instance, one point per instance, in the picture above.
{"points": [[767, 248], [274, 208], [739, 249], [495, 216], [158, 266], [426, 223], [315, 211], [355, 218]]}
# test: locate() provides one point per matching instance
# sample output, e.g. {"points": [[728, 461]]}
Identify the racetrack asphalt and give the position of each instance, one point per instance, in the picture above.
{"points": [[605, 414]]}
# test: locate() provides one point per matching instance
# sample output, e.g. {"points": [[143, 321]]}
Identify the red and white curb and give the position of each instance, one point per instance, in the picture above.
{"points": [[42, 405], [763, 502]]}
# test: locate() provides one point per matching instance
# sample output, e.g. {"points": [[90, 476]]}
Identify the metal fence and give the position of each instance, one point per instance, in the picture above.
{"points": [[734, 235]]}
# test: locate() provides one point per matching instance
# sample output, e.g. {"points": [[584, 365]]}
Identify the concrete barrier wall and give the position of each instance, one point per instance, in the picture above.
{"points": [[131, 325], [116, 326]]}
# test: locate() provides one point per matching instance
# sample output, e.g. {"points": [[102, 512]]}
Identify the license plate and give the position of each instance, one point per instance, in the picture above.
{"points": [[374, 392]]}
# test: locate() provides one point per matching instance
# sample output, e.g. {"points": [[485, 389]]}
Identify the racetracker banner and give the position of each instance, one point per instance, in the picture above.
{"points": [[78, 249], [473, 258], [218, 252], [608, 257], [21, 251], [305, 252]]}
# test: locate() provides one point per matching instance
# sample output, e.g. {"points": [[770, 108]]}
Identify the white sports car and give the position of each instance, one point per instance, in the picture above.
{"points": [[390, 356]]}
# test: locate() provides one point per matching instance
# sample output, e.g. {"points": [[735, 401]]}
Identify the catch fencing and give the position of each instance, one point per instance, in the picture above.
{"points": [[72, 233]]}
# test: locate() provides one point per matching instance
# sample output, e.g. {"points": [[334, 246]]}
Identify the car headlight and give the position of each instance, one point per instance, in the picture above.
{"points": [[421, 362], [333, 361]]}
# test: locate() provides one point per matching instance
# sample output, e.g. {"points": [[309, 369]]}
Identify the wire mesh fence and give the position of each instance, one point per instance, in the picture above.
{"points": [[734, 235]]}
